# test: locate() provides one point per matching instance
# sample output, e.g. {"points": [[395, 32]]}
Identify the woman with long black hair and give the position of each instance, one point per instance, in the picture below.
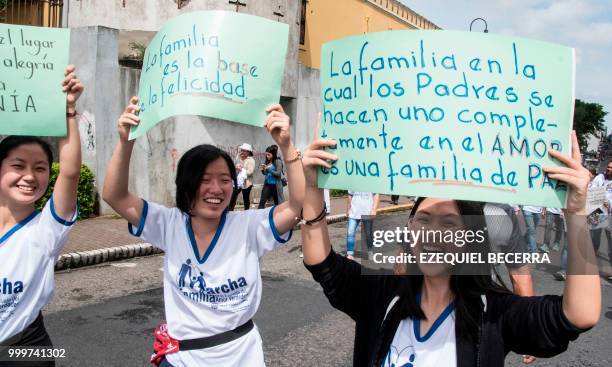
{"points": [[440, 318], [272, 170]]}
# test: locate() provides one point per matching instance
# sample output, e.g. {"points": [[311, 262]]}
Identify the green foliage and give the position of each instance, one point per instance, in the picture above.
{"points": [[337, 193], [139, 50], [85, 191], [588, 120]]}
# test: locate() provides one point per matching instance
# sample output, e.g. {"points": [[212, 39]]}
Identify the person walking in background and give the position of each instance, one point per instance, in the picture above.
{"points": [[394, 199], [554, 225], [359, 204], [272, 171], [326, 197], [601, 222], [532, 219], [280, 184], [245, 166]]}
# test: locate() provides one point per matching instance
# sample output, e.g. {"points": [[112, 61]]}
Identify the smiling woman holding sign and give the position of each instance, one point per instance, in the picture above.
{"points": [[436, 318], [31, 240], [212, 281]]}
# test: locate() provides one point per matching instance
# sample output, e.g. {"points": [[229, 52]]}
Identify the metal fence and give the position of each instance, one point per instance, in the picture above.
{"points": [[42, 13]]}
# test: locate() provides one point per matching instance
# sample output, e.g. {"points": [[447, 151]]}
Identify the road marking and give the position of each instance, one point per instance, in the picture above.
{"points": [[124, 265]]}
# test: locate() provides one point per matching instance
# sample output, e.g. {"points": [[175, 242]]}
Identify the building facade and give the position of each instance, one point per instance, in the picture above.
{"points": [[320, 22]]}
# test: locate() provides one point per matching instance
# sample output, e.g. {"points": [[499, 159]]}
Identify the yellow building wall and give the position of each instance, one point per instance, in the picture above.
{"points": [[327, 20]]}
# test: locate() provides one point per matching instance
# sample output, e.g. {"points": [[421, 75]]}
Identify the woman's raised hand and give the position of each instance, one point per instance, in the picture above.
{"points": [[277, 124], [72, 86], [574, 175], [128, 119], [315, 157]]}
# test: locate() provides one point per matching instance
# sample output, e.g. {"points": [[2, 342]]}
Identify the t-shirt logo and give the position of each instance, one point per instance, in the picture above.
{"points": [[12, 292], [188, 277], [191, 282], [394, 357]]}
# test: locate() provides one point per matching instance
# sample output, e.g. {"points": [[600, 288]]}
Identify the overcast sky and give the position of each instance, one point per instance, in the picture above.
{"points": [[585, 25]]}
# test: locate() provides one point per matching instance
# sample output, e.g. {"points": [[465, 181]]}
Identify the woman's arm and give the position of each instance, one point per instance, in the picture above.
{"points": [[115, 191], [286, 215], [315, 237], [65, 189], [582, 293]]}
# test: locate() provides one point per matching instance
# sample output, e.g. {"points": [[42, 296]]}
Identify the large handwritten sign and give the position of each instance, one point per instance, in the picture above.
{"points": [[32, 64], [447, 114], [212, 63]]}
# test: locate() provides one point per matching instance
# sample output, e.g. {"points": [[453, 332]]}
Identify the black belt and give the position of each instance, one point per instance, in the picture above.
{"points": [[214, 340]]}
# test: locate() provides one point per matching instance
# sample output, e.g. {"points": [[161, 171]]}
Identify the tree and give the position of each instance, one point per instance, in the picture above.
{"points": [[588, 120]]}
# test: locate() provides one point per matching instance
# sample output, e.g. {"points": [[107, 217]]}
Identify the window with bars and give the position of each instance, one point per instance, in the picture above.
{"points": [[303, 23], [41, 13]]}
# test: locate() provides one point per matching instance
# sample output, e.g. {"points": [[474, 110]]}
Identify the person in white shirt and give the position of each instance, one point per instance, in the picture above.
{"points": [[359, 204], [212, 280], [604, 180], [30, 240], [245, 167]]}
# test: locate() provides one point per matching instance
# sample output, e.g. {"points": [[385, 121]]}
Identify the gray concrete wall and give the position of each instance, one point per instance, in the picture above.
{"points": [[94, 51], [150, 15], [308, 105]]}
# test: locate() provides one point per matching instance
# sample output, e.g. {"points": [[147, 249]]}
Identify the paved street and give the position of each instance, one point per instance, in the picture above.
{"points": [[104, 315]]}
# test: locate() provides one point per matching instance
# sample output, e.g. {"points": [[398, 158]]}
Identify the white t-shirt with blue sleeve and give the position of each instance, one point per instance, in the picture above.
{"points": [[28, 252], [211, 293]]}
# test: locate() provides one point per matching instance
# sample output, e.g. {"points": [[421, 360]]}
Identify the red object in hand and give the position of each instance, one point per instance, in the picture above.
{"points": [[163, 344]]}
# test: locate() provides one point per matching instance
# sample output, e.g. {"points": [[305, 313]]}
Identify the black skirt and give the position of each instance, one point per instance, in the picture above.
{"points": [[34, 335]]}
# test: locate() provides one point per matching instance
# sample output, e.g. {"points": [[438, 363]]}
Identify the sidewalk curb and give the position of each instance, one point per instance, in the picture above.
{"points": [[94, 257]]}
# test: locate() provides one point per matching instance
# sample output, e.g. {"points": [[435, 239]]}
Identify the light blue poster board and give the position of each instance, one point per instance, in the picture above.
{"points": [[212, 63], [447, 114], [32, 64]]}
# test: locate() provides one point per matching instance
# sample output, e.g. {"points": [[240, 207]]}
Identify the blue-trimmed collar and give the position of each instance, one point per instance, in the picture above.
{"points": [[18, 226], [416, 323], [212, 244]]}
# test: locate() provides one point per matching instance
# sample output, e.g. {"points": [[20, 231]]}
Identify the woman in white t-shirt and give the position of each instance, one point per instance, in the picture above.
{"points": [[30, 241], [212, 281], [437, 316]]}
